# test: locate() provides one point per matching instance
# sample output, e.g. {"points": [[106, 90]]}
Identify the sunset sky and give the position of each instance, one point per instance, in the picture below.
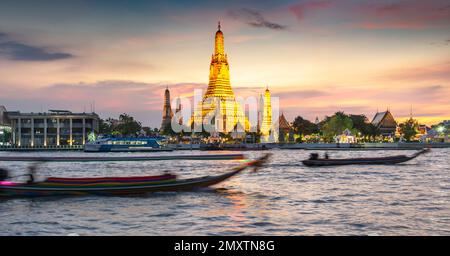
{"points": [[318, 57]]}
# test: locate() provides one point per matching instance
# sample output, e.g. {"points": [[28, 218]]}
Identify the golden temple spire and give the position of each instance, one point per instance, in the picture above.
{"points": [[267, 114], [219, 76], [219, 42], [219, 95]]}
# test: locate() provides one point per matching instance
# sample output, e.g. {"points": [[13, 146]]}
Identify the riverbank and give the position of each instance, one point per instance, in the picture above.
{"points": [[364, 146], [252, 146], [25, 149]]}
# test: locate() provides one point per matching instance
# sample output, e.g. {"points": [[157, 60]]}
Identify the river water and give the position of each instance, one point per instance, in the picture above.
{"points": [[285, 198]]}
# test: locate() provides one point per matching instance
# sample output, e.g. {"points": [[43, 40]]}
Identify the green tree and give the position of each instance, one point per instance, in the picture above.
{"points": [[105, 126], [335, 125], [442, 127], [372, 131], [409, 129], [304, 127], [128, 126], [360, 123], [148, 131], [5, 135]]}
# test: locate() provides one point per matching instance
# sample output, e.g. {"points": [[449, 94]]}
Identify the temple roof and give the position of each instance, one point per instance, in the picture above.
{"points": [[283, 123], [379, 116], [384, 120]]}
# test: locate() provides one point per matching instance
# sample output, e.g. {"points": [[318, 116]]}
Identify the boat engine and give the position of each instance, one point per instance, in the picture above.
{"points": [[3, 174]]}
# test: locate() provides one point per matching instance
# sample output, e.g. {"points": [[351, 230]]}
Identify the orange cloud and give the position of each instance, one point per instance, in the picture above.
{"points": [[440, 71]]}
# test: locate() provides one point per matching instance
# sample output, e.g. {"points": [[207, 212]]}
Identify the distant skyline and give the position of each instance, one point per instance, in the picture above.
{"points": [[319, 57]]}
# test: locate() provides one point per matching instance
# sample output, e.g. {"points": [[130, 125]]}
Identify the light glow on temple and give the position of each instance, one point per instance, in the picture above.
{"points": [[219, 101]]}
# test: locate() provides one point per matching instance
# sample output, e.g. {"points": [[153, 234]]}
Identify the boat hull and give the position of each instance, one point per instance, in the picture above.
{"points": [[180, 185], [351, 162], [122, 148], [111, 186], [362, 161]]}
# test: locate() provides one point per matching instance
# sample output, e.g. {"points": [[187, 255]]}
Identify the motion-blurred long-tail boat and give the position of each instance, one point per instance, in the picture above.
{"points": [[111, 186]]}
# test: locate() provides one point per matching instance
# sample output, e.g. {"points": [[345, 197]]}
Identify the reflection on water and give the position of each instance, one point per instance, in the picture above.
{"points": [[285, 198]]}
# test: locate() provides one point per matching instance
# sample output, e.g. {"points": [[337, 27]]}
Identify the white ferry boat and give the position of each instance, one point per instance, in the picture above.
{"points": [[127, 145]]}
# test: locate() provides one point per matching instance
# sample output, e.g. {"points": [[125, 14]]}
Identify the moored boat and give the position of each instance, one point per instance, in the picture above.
{"points": [[315, 161], [145, 144]]}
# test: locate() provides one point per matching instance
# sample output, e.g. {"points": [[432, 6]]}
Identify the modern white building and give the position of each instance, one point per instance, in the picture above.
{"points": [[52, 128]]}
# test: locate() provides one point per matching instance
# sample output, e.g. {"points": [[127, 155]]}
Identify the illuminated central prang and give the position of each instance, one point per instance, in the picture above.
{"points": [[219, 71], [219, 99]]}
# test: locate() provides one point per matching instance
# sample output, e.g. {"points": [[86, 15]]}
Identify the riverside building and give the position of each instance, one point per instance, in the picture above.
{"points": [[52, 128]]}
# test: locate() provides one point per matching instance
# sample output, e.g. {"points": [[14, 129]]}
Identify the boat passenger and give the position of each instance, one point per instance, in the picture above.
{"points": [[313, 156], [326, 156], [4, 174], [31, 174]]}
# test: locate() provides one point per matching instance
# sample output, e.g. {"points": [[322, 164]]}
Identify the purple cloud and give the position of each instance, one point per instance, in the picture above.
{"points": [[15, 50], [254, 18]]}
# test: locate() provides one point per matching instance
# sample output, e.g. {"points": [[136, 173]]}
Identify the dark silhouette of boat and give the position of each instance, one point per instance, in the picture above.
{"points": [[113, 186], [314, 160]]}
